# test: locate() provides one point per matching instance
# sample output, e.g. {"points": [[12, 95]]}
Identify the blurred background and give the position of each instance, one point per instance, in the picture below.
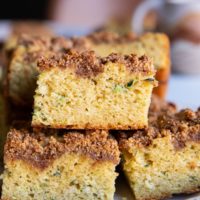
{"points": [[179, 19], [87, 13]]}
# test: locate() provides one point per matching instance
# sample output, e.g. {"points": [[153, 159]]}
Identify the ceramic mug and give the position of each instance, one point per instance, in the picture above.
{"points": [[180, 19], [170, 12]]}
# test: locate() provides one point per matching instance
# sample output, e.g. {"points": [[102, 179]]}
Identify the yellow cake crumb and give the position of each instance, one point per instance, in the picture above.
{"points": [[63, 165], [165, 158], [83, 91]]}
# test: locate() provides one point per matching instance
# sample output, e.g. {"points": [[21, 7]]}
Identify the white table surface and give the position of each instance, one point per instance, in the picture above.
{"points": [[184, 90]]}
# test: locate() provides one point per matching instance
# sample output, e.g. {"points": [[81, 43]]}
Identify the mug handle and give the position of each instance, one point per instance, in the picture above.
{"points": [[140, 13]]}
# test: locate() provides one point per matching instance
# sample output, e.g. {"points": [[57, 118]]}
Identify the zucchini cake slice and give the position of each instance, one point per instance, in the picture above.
{"points": [[68, 165], [22, 69], [83, 91], [154, 45], [165, 158]]}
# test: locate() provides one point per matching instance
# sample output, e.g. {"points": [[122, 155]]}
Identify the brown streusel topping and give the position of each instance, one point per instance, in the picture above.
{"points": [[183, 126], [37, 42], [87, 64], [159, 107], [87, 42], [41, 149], [42, 44], [37, 47], [110, 37]]}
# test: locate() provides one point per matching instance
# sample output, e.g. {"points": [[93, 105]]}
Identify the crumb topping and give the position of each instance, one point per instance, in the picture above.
{"points": [[37, 47], [60, 44], [110, 37], [40, 149], [87, 64], [183, 126], [36, 41], [45, 43], [87, 42], [159, 107]]}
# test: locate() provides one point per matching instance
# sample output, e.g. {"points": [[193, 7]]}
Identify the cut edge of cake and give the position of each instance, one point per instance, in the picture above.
{"points": [[72, 164], [164, 159], [113, 76]]}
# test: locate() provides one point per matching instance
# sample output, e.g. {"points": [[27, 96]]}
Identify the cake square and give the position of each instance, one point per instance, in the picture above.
{"points": [[64, 165], [22, 69], [83, 91], [20, 29], [165, 158]]}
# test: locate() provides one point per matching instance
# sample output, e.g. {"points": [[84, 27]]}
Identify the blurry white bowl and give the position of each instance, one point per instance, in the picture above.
{"points": [[185, 57]]}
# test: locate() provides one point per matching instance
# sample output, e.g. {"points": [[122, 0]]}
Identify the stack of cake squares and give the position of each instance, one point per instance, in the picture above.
{"points": [[92, 106]]}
